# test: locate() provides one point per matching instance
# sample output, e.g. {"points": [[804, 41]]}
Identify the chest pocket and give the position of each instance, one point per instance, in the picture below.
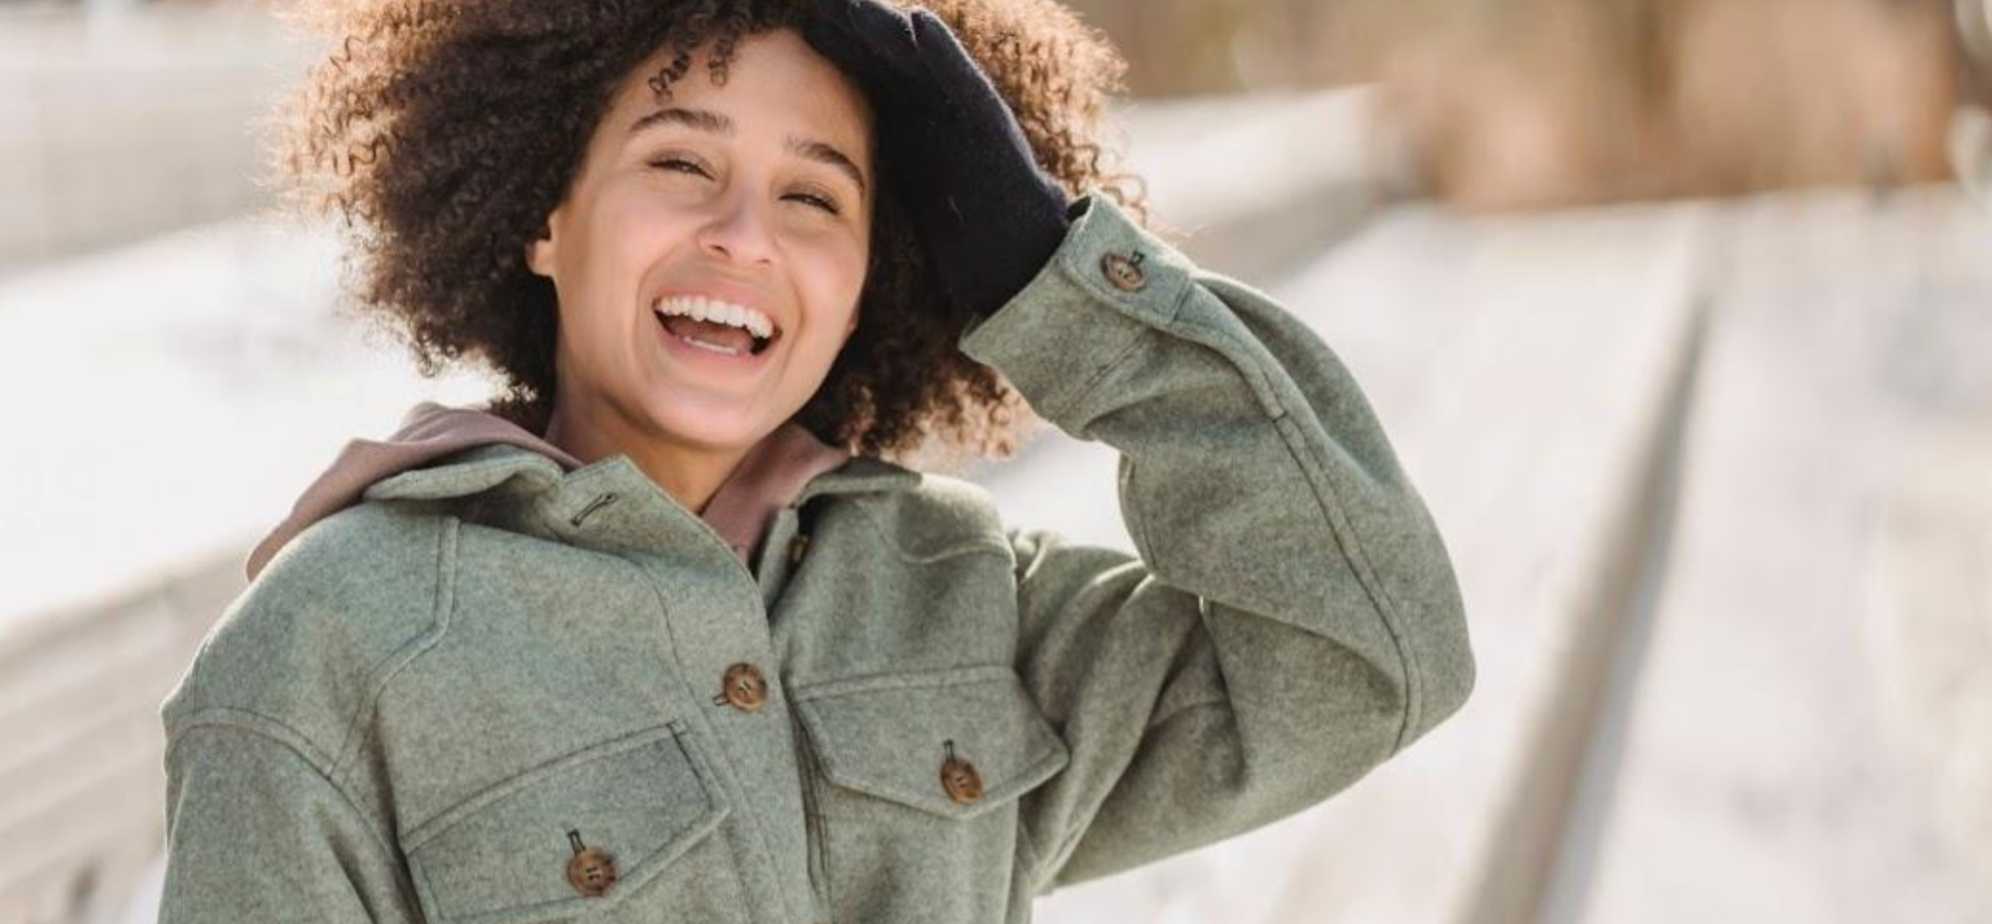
{"points": [[955, 743], [634, 805], [924, 771]]}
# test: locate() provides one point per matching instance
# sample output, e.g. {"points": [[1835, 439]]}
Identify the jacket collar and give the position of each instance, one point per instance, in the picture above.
{"points": [[476, 461], [511, 470], [609, 504]]}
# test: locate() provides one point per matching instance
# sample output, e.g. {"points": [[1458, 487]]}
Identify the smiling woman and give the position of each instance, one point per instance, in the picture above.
{"points": [[665, 635], [731, 207], [448, 131]]}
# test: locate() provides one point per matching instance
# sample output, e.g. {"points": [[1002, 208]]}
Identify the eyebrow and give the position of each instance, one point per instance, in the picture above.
{"points": [[705, 120]]}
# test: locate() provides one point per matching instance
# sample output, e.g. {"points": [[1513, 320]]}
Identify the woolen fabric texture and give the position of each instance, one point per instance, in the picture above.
{"points": [[428, 697]]}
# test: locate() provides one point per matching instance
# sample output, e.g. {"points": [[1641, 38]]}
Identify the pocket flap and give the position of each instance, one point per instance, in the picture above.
{"points": [[890, 735], [502, 856]]}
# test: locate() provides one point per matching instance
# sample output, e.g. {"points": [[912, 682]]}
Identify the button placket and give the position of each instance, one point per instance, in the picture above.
{"points": [[744, 688]]}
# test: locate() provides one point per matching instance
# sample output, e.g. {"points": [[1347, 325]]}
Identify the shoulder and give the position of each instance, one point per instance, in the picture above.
{"points": [[300, 653], [938, 517]]}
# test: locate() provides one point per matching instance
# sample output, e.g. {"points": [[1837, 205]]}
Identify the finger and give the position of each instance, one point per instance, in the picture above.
{"points": [[876, 40], [954, 72], [946, 59], [937, 42], [883, 25], [876, 26], [850, 54]]}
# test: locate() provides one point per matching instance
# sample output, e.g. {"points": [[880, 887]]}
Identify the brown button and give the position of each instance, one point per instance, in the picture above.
{"points": [[744, 688], [591, 871], [1125, 271], [797, 546], [960, 779]]}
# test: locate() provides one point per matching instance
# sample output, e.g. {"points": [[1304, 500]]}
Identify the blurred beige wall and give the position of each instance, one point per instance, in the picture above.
{"points": [[114, 128], [1518, 104]]}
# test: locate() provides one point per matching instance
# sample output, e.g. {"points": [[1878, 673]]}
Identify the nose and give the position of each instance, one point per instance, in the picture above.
{"points": [[738, 231]]}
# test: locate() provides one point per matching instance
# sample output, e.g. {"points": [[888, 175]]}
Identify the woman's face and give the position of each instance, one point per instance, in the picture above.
{"points": [[750, 200]]}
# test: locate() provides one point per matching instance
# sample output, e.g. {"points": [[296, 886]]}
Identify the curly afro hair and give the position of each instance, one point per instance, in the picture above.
{"points": [[444, 132]]}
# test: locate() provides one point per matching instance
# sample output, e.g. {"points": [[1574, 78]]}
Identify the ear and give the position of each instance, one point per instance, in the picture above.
{"points": [[542, 252]]}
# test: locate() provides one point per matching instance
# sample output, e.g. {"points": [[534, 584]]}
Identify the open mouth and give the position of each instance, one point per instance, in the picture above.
{"points": [[717, 326]]}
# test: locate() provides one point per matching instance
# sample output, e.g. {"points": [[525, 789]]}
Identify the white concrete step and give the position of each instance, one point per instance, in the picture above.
{"points": [[1810, 736]]}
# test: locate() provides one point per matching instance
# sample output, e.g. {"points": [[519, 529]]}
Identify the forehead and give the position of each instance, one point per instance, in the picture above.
{"points": [[772, 77]]}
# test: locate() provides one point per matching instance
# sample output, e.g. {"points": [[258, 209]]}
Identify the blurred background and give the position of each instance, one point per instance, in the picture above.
{"points": [[1679, 313]]}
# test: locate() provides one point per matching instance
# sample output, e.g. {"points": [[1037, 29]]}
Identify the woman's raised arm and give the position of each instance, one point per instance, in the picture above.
{"points": [[1293, 619]]}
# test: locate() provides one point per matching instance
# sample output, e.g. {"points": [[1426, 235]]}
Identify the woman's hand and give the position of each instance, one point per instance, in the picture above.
{"points": [[986, 212]]}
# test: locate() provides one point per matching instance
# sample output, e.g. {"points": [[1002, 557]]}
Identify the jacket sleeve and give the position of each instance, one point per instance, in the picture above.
{"points": [[256, 833], [1293, 618]]}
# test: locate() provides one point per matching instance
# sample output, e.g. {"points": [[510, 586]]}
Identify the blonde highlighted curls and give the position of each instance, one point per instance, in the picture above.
{"points": [[444, 132]]}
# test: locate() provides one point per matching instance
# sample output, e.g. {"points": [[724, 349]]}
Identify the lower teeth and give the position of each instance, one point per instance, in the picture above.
{"points": [[716, 348]]}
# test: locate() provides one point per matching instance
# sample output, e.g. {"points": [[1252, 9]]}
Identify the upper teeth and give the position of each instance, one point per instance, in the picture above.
{"points": [[718, 312]]}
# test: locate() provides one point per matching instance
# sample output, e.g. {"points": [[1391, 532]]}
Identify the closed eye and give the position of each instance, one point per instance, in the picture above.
{"points": [[681, 165], [815, 201]]}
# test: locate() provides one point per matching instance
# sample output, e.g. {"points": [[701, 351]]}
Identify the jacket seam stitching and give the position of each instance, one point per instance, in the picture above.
{"points": [[1170, 716], [838, 774], [441, 823], [1251, 368], [1306, 458], [957, 675], [1099, 375], [722, 754], [367, 820], [1034, 868], [442, 605], [225, 717], [1145, 322], [1388, 611], [1070, 844], [966, 547], [420, 478]]}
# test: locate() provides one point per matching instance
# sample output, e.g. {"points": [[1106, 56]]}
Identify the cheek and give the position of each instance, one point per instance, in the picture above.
{"points": [[636, 229], [831, 277], [610, 253]]}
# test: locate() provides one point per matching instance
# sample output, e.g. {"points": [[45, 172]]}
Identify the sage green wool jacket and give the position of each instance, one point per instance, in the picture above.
{"points": [[499, 692]]}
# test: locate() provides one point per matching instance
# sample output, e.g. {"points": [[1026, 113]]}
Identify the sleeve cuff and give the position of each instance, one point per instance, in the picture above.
{"points": [[1108, 282]]}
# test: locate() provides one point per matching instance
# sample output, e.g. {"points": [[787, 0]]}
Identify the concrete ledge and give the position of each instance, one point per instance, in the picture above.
{"points": [[1810, 735], [114, 128], [79, 697]]}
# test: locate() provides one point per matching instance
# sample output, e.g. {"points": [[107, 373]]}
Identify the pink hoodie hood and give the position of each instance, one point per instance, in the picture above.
{"points": [[769, 477]]}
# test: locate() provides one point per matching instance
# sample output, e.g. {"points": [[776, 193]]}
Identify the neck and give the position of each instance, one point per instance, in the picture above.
{"points": [[691, 474]]}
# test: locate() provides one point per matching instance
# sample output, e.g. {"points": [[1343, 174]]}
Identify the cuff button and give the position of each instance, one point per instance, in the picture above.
{"points": [[1124, 271]]}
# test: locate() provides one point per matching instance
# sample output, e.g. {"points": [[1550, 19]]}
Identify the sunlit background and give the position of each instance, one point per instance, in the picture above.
{"points": [[1675, 309]]}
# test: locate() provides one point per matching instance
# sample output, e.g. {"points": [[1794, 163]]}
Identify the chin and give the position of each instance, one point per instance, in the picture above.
{"points": [[711, 426]]}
